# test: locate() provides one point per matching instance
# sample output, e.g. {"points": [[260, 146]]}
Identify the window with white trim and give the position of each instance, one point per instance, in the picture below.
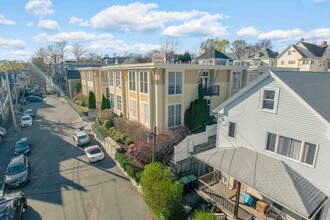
{"points": [[104, 77], [298, 150], [112, 100], [111, 78], [144, 113], [269, 99], [118, 79], [119, 107], [232, 129], [143, 82], [174, 83], [132, 81], [132, 108], [107, 92], [236, 81], [174, 115]]}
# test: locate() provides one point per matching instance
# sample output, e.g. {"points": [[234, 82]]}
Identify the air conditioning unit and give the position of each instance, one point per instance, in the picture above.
{"points": [[262, 207]]}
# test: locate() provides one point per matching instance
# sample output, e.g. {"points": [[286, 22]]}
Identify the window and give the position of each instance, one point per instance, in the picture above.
{"points": [[104, 77], [309, 153], [174, 83], [312, 62], [292, 62], [144, 82], [132, 108], [289, 147], [236, 81], [112, 100], [269, 99], [107, 92], [118, 79], [111, 78], [232, 129], [144, 113], [289, 52], [271, 141], [209, 106], [119, 103], [131, 75], [174, 115], [282, 62]]}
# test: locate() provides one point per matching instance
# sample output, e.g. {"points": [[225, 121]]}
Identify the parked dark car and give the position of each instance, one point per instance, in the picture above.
{"points": [[12, 206], [39, 94], [23, 146], [18, 172], [33, 98]]}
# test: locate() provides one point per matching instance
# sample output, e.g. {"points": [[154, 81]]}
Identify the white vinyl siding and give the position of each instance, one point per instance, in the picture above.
{"points": [[118, 81], [144, 113], [132, 108], [144, 82], [174, 83], [132, 81], [111, 78], [174, 115], [119, 107]]}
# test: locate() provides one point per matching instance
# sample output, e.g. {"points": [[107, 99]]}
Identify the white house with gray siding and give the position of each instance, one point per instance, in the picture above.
{"points": [[285, 117]]}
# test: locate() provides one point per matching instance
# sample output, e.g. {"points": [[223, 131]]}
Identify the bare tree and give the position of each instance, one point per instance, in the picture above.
{"points": [[265, 43], [61, 49], [78, 51], [239, 47], [40, 59], [168, 48]]}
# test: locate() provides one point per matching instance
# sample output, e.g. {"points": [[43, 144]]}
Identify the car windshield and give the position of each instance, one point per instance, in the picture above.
{"points": [[16, 169], [29, 111], [25, 118], [82, 137], [95, 151], [21, 144]]}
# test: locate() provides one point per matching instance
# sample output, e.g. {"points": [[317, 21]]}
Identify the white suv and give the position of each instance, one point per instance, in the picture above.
{"points": [[81, 138]]}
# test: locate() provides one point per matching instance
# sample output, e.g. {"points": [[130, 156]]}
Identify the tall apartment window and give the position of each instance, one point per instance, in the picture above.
{"points": [[111, 78], [309, 153], [107, 92], [236, 81], [119, 103], [269, 99], [144, 113], [174, 115], [118, 79], [104, 77], [209, 106], [232, 129], [174, 83], [132, 82], [89, 76], [289, 147], [112, 100], [144, 82], [271, 141], [132, 108]]}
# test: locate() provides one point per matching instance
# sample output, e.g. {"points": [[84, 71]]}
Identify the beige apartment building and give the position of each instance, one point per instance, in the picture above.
{"points": [[158, 94]]}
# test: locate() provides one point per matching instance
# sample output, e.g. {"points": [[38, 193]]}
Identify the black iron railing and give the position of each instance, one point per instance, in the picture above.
{"points": [[209, 90]]}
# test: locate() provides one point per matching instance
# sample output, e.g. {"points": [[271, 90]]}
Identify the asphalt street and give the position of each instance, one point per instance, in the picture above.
{"points": [[63, 184]]}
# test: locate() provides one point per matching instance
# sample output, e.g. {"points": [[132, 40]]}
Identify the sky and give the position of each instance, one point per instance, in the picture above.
{"points": [[123, 27]]}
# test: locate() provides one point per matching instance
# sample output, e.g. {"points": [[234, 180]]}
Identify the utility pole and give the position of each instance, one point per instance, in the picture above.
{"points": [[154, 148], [10, 99]]}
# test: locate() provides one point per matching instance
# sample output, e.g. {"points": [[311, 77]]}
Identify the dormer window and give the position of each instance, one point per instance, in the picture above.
{"points": [[269, 99], [289, 52]]}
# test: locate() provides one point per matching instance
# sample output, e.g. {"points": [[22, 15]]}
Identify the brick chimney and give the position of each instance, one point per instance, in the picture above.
{"points": [[324, 44]]}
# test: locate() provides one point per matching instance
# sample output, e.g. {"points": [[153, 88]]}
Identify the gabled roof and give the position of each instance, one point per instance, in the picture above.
{"points": [[231, 55], [314, 49], [264, 53], [271, 177], [215, 54], [299, 51], [312, 88]]}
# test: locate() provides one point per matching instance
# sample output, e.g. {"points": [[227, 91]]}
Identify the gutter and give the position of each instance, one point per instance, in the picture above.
{"points": [[319, 209]]}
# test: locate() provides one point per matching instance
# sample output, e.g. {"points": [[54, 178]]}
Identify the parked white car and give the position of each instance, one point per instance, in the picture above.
{"points": [[94, 153], [81, 138], [3, 131], [26, 121]]}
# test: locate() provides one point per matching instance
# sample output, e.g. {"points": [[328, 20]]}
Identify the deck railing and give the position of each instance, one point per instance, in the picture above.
{"points": [[209, 90]]}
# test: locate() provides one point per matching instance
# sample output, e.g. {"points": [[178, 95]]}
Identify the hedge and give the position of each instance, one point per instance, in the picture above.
{"points": [[77, 109], [127, 165], [100, 131]]}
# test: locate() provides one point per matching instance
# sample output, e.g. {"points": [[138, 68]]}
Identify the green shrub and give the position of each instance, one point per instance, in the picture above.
{"points": [[123, 137], [128, 141], [117, 137], [108, 124], [112, 131], [201, 215], [127, 165], [130, 170], [100, 131]]}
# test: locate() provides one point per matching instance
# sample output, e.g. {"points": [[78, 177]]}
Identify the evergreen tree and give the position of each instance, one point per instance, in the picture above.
{"points": [[78, 86], [91, 100], [105, 104], [196, 116]]}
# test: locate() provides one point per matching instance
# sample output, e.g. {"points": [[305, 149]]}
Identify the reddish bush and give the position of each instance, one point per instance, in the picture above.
{"points": [[107, 114]]}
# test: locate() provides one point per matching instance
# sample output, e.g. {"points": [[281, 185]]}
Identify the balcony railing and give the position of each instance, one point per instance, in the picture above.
{"points": [[213, 90]]}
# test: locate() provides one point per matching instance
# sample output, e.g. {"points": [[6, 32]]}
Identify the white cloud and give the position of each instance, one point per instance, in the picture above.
{"points": [[105, 36], [79, 21], [30, 24], [319, 34], [282, 34], [49, 24], [137, 17], [78, 36], [10, 43], [4, 21], [39, 7], [17, 54], [248, 32], [206, 26]]}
